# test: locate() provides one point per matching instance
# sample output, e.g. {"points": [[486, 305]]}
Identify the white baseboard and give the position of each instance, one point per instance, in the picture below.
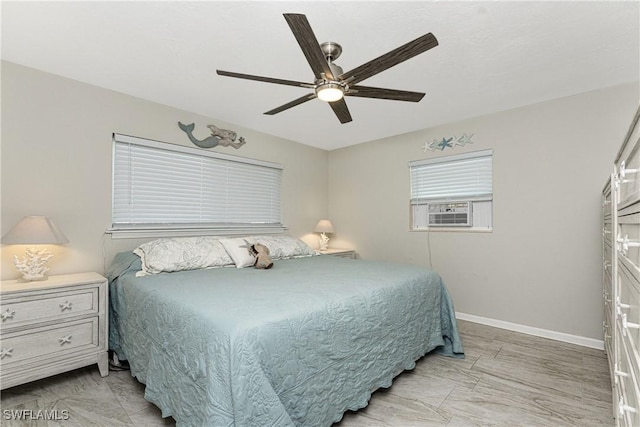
{"points": [[545, 333]]}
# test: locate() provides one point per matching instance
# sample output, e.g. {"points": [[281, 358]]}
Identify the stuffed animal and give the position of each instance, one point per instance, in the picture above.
{"points": [[261, 252]]}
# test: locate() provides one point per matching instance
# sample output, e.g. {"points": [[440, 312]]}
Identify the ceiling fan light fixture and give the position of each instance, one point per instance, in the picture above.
{"points": [[330, 92]]}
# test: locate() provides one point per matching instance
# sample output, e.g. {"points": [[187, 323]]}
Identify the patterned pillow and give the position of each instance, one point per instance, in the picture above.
{"points": [[238, 249], [181, 253], [283, 247]]}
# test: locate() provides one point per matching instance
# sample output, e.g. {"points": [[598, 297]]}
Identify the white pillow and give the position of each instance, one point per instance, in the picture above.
{"points": [[238, 250], [181, 253], [282, 247]]}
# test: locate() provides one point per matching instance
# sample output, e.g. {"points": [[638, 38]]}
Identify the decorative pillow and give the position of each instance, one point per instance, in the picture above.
{"points": [[181, 253], [282, 247], [239, 250]]}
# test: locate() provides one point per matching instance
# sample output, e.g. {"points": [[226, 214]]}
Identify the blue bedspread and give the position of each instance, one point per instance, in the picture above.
{"points": [[295, 345]]}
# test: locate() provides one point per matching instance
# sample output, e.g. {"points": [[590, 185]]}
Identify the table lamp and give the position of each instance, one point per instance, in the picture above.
{"points": [[34, 230], [324, 226]]}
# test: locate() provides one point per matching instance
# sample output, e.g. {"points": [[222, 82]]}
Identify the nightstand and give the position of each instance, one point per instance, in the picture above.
{"points": [[343, 253], [52, 326]]}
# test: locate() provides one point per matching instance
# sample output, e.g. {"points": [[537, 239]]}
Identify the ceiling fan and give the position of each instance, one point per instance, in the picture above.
{"points": [[331, 84]]}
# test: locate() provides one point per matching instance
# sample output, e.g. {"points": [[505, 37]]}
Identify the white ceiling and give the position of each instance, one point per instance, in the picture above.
{"points": [[492, 56]]}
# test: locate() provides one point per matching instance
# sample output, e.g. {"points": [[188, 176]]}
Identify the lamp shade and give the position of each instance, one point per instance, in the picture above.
{"points": [[34, 230], [324, 226]]}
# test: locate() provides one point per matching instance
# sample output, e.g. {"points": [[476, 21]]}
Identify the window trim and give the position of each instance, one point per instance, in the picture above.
{"points": [[124, 231]]}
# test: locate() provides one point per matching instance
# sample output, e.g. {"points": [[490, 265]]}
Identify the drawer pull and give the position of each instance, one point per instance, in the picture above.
{"points": [[622, 408], [623, 244], [7, 315], [628, 325], [621, 306], [65, 340], [65, 306], [621, 373], [5, 353], [605, 231], [624, 171]]}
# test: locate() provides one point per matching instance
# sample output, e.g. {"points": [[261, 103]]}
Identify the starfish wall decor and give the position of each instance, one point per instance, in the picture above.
{"points": [[451, 142]]}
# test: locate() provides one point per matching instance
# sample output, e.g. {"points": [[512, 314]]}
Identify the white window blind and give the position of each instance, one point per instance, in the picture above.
{"points": [[164, 186], [460, 177]]}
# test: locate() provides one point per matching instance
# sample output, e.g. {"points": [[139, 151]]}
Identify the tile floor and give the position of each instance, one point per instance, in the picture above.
{"points": [[506, 379]]}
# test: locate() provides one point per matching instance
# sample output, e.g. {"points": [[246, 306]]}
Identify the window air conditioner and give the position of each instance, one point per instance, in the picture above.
{"points": [[454, 214]]}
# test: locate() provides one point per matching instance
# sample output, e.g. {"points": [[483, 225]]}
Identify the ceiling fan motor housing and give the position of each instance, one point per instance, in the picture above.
{"points": [[336, 70]]}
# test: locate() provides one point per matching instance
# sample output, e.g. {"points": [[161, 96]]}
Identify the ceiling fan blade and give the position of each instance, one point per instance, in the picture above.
{"points": [[342, 111], [389, 59], [309, 44], [264, 79], [380, 93], [293, 103]]}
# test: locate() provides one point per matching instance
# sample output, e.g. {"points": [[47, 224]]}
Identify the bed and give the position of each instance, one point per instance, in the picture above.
{"points": [[296, 345]]}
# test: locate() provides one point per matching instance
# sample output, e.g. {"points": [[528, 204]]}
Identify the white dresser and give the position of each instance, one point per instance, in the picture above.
{"points": [[52, 326], [621, 277]]}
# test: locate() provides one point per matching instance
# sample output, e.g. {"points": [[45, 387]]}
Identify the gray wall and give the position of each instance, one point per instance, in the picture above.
{"points": [[541, 265], [56, 161]]}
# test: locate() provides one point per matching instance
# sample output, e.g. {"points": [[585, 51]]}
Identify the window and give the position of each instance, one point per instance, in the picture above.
{"points": [[452, 191], [172, 189]]}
